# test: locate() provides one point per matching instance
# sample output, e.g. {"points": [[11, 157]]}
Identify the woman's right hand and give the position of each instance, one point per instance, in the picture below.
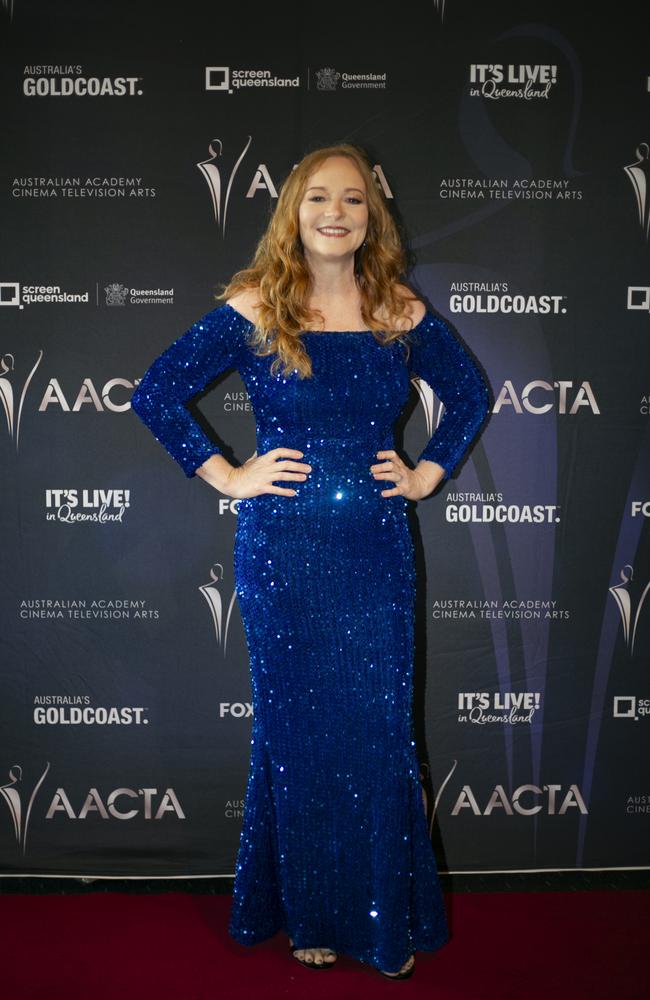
{"points": [[258, 473]]}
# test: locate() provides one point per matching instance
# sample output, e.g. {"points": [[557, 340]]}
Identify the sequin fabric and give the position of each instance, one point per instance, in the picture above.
{"points": [[334, 847]]}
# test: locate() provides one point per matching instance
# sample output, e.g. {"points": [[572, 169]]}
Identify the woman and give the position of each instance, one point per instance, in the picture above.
{"points": [[334, 846]]}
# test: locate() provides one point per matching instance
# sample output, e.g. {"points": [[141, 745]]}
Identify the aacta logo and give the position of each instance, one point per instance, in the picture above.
{"points": [[13, 394], [525, 800], [541, 396], [121, 803]]}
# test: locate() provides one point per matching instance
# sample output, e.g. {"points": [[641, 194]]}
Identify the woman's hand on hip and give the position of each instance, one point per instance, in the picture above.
{"points": [[414, 484], [259, 472]]}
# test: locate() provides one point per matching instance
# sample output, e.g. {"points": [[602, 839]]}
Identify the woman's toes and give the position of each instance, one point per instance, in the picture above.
{"points": [[315, 956]]}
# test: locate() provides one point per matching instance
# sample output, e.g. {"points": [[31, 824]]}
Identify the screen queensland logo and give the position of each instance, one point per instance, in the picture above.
{"points": [[638, 298], [230, 79], [13, 293], [631, 707]]}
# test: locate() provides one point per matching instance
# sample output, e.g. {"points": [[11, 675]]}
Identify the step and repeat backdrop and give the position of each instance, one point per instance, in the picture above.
{"points": [[144, 149]]}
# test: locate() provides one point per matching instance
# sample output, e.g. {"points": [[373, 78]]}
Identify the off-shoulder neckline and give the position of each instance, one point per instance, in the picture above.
{"points": [[317, 333]]}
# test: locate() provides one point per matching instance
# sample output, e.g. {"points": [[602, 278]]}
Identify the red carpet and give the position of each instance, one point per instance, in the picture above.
{"points": [[175, 946]]}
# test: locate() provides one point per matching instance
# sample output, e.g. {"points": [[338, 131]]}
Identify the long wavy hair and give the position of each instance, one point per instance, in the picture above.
{"points": [[280, 273]]}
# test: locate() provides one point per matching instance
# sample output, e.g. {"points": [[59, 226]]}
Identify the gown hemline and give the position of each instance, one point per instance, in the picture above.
{"points": [[421, 944]]}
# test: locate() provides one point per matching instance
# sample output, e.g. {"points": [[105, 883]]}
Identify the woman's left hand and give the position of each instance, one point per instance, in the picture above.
{"points": [[414, 484]]}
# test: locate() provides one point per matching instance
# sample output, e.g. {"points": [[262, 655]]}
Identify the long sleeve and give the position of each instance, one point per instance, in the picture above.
{"points": [[210, 347], [438, 357]]}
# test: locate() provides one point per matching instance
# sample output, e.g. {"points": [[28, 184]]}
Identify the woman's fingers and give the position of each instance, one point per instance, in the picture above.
{"points": [[282, 468], [288, 463], [281, 490]]}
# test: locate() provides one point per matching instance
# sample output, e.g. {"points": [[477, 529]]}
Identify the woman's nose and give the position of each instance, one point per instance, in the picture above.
{"points": [[335, 209]]}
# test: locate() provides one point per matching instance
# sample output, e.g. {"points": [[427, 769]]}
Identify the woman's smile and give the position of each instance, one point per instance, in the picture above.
{"points": [[333, 231]]}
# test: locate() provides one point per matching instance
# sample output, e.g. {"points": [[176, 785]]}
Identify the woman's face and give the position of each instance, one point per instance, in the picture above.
{"points": [[333, 213]]}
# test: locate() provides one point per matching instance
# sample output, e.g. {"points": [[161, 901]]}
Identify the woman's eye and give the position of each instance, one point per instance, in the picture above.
{"points": [[317, 197]]}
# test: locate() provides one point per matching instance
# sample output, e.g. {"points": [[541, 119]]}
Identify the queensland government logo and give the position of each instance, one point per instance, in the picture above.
{"points": [[330, 79], [327, 79]]}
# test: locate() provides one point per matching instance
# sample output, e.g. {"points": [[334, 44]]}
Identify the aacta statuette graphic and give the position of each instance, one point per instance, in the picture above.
{"points": [[638, 173], [20, 811], [440, 6], [216, 176], [428, 400], [8, 6], [621, 595], [216, 603], [7, 395]]}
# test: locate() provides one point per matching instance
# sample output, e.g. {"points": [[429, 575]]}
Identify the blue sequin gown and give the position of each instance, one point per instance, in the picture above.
{"points": [[334, 846]]}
